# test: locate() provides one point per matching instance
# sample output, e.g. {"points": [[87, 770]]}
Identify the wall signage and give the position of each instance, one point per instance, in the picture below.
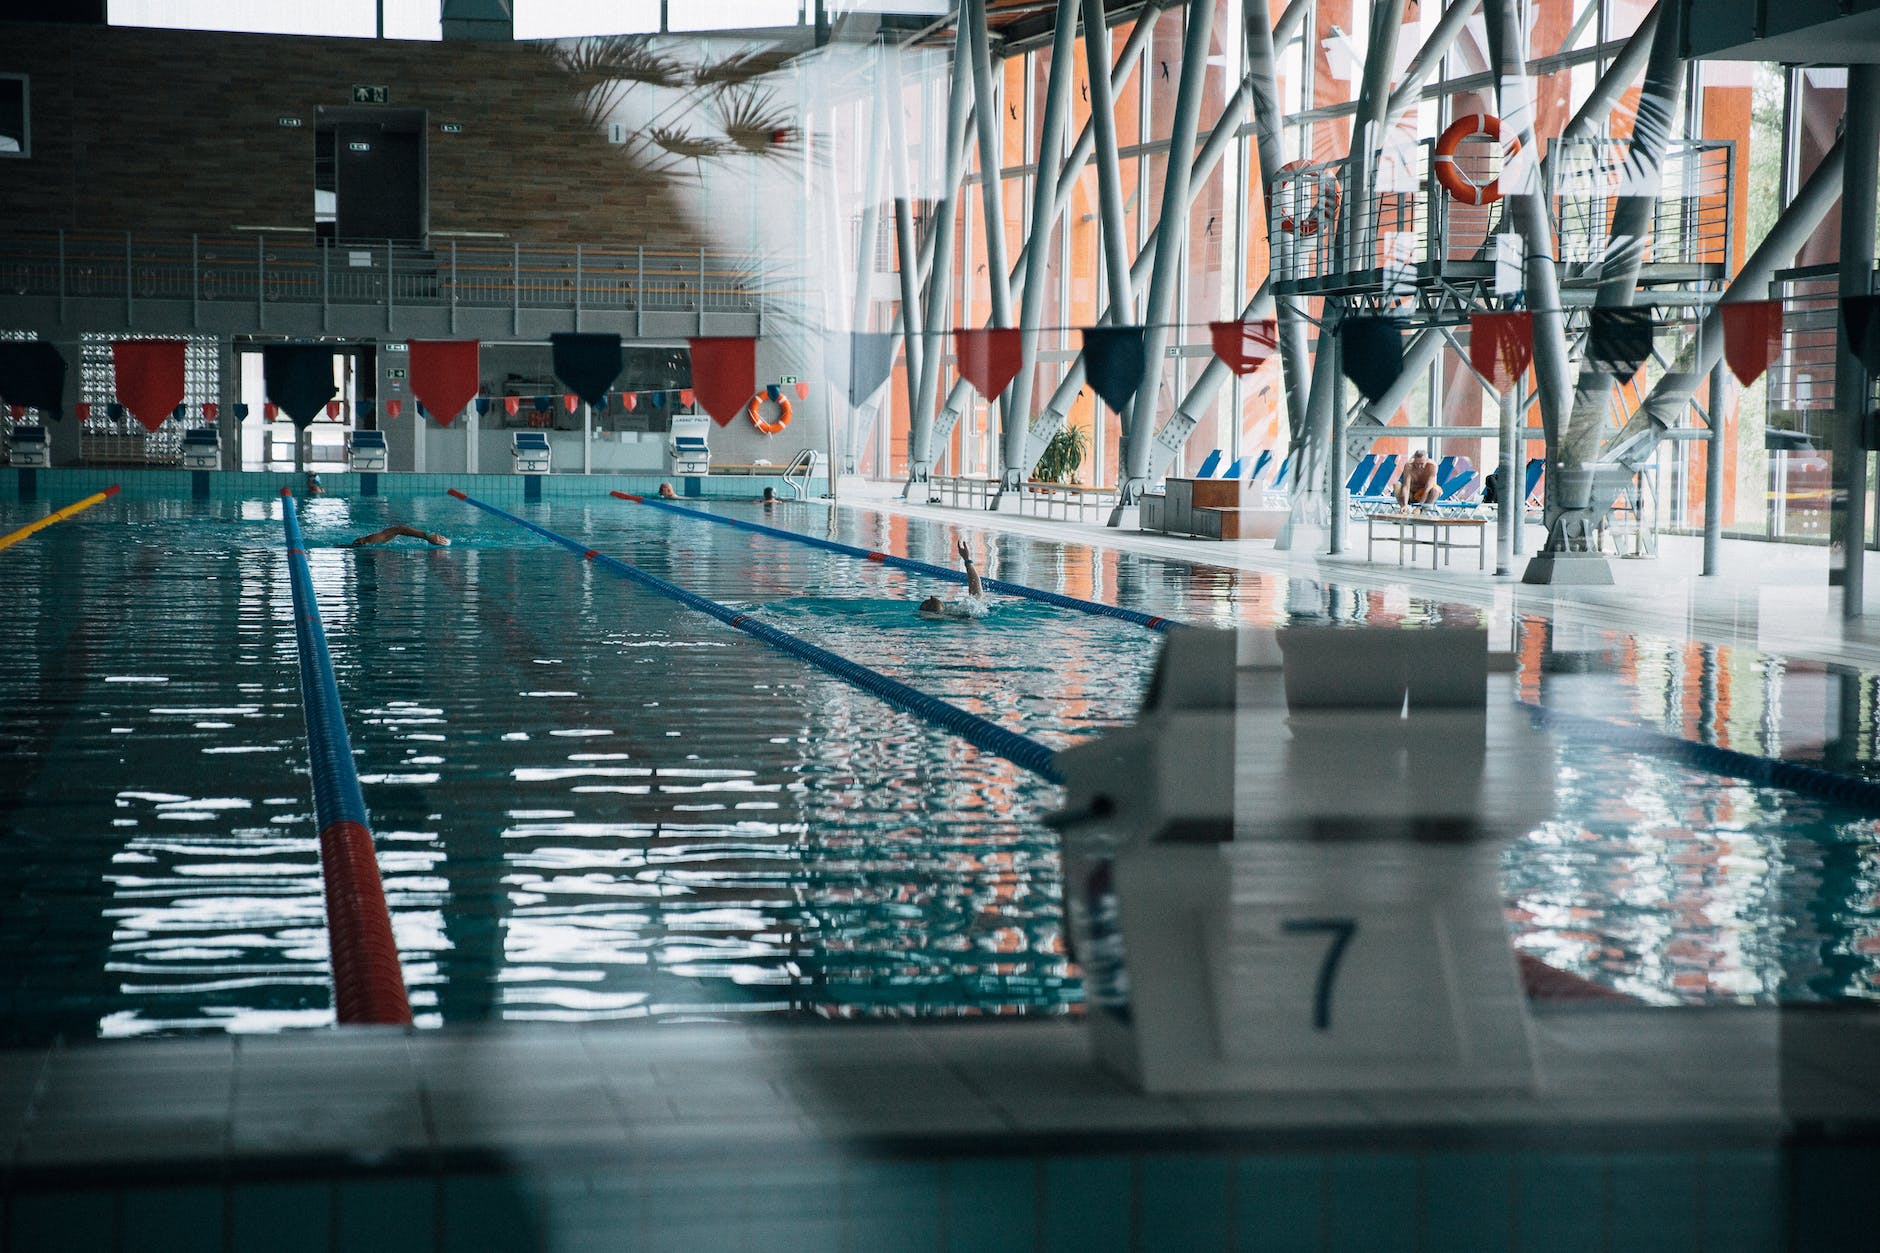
{"points": [[366, 93]]}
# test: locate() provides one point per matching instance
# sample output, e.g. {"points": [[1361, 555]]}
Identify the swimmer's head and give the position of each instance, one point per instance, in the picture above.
{"points": [[931, 605], [442, 541]]}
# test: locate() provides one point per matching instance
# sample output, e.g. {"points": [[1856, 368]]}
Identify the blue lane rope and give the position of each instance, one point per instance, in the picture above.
{"points": [[336, 794], [1792, 776], [1018, 749], [1151, 621]]}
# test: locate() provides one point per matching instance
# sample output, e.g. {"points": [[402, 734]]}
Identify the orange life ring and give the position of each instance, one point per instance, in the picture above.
{"points": [[1324, 204], [1454, 181], [769, 428]]}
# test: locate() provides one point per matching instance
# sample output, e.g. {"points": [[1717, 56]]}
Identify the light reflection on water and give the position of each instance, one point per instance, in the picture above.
{"points": [[591, 803]]}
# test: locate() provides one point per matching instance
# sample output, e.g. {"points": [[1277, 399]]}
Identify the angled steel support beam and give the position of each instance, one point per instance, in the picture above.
{"points": [[939, 302], [1853, 385], [1044, 218], [990, 122], [1171, 254], [907, 252], [1113, 233], [1410, 84]]}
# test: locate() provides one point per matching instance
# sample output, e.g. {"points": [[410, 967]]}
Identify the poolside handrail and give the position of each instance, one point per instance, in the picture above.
{"points": [[368, 985], [1152, 621], [57, 515], [1018, 749]]}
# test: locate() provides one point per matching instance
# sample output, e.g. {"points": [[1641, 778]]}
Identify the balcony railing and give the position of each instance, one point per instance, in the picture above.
{"points": [[279, 269]]}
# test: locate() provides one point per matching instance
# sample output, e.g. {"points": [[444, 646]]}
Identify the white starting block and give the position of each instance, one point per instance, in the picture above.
{"points": [[687, 449], [202, 448], [530, 450], [29, 447], [366, 452], [1284, 876]]}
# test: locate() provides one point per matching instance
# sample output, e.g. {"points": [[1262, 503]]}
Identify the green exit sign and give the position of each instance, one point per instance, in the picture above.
{"points": [[788, 378], [367, 93]]}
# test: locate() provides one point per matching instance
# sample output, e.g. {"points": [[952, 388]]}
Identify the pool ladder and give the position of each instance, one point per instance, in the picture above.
{"points": [[800, 471]]}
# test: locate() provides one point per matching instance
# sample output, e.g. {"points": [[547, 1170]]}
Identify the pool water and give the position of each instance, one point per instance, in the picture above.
{"points": [[594, 803]]}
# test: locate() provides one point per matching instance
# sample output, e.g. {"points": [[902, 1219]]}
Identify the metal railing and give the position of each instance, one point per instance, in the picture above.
{"points": [[268, 268], [1691, 224]]}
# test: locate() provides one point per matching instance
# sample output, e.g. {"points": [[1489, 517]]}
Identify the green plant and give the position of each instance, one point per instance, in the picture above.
{"points": [[1063, 456]]}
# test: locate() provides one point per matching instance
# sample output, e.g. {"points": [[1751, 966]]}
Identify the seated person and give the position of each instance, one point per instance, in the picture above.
{"points": [[971, 605], [391, 533], [1417, 484]]}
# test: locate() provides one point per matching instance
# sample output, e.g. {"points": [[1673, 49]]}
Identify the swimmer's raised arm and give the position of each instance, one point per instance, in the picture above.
{"points": [[972, 572]]}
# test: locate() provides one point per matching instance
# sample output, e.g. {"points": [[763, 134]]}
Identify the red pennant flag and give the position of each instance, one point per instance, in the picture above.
{"points": [[989, 358], [333, 408], [16, 412], [1752, 337], [1244, 347], [443, 375], [210, 409], [724, 374], [1500, 347], [630, 401], [802, 391], [687, 396], [511, 405], [570, 401], [82, 409], [271, 411], [149, 378], [394, 407]]}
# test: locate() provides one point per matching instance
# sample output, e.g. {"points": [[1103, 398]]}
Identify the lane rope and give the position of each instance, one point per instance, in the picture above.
{"points": [[368, 986], [1790, 776], [1018, 749], [1152, 621], [57, 515]]}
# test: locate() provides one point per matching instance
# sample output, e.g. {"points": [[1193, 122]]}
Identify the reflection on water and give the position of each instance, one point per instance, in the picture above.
{"points": [[593, 803]]}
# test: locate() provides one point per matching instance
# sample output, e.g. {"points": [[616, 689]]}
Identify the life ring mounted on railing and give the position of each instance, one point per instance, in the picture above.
{"points": [[1450, 175], [754, 411], [1324, 208]]}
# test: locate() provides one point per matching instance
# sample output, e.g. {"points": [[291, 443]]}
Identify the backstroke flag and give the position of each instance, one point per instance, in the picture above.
{"points": [[587, 363], [1113, 360], [1619, 340], [724, 374], [299, 379], [1500, 347], [1862, 314], [149, 377], [988, 358], [444, 375], [871, 360], [1752, 336], [1244, 347], [1371, 352]]}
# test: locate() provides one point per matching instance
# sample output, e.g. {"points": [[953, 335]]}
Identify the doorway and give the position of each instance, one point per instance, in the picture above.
{"points": [[368, 174]]}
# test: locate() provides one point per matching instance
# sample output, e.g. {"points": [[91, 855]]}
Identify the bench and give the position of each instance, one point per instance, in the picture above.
{"points": [[977, 491], [1051, 497], [1445, 534]]}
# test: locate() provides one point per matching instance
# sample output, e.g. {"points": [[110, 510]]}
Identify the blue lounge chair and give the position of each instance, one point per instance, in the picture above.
{"points": [[1276, 490], [1376, 494], [1233, 471], [1536, 466], [1445, 470], [1209, 465], [1260, 464], [1461, 495], [1367, 466]]}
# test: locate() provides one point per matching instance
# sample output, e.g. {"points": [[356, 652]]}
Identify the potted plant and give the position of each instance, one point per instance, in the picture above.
{"points": [[1063, 456]]}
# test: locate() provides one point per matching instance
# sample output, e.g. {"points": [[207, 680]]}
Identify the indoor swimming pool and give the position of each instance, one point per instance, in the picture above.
{"points": [[592, 803]]}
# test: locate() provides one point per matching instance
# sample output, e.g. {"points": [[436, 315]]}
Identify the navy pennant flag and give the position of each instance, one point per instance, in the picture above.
{"points": [[1862, 315], [1619, 340], [1113, 361], [299, 378], [871, 360], [587, 363], [1371, 353]]}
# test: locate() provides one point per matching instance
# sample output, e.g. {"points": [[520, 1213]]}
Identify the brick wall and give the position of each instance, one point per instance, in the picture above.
{"points": [[177, 131]]}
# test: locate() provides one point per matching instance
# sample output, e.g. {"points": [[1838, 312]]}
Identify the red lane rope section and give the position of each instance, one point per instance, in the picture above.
{"points": [[368, 986]]}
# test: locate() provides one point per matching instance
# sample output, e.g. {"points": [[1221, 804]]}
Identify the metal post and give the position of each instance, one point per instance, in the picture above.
{"points": [[1853, 386], [1713, 470], [701, 288], [326, 282], [453, 287], [587, 438], [515, 285], [130, 310], [1263, 78], [1114, 231], [1038, 241], [939, 303], [1335, 447], [61, 275], [390, 269], [195, 282], [1508, 496], [990, 124], [1171, 251], [639, 292], [578, 278], [1359, 237], [907, 250]]}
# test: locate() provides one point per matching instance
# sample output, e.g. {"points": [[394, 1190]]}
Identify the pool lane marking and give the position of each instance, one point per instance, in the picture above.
{"points": [[1153, 622], [1018, 749], [57, 515], [368, 985]]}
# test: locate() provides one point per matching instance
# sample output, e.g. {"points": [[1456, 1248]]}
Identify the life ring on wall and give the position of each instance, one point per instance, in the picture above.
{"points": [[1450, 175], [1324, 207], [754, 412]]}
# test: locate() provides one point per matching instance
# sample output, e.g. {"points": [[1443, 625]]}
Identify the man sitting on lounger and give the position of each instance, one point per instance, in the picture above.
{"points": [[1417, 484], [391, 533], [971, 605]]}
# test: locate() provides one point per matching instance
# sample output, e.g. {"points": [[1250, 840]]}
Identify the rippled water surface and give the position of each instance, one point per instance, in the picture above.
{"points": [[594, 803]]}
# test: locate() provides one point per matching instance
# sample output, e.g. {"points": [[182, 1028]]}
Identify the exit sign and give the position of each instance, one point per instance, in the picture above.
{"points": [[366, 93], [394, 373], [788, 378]]}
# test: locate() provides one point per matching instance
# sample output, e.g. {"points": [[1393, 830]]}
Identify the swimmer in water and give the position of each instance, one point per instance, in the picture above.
{"points": [[391, 533], [971, 605]]}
